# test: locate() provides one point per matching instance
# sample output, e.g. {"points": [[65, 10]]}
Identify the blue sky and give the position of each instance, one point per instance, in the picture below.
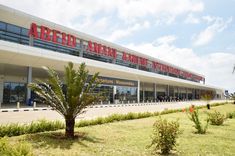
{"points": [[197, 35]]}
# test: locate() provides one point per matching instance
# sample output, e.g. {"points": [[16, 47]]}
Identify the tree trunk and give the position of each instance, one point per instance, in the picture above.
{"points": [[69, 130]]}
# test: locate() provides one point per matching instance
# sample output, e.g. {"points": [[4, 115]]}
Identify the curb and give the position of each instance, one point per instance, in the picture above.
{"points": [[94, 106], [24, 109]]}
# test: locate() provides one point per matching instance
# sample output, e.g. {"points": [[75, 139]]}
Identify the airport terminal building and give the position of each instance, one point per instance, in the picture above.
{"points": [[27, 43]]}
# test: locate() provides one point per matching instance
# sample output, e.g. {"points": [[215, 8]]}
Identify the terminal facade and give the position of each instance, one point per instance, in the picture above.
{"points": [[27, 43]]}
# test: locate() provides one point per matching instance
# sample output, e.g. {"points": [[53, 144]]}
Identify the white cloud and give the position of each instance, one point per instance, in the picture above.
{"points": [[191, 19], [67, 12], [208, 18], [207, 35], [93, 26], [217, 67], [130, 10], [121, 33], [164, 40]]}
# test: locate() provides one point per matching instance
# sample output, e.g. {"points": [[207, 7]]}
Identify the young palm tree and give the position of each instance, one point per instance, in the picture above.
{"points": [[70, 97]]}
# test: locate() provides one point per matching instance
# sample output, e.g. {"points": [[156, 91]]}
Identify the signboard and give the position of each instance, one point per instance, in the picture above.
{"points": [[59, 37], [117, 82]]}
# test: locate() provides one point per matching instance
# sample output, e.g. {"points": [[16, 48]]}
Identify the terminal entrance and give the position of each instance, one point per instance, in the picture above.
{"points": [[14, 92], [13, 88]]}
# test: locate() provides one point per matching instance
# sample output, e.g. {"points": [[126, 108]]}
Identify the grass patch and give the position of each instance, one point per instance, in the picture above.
{"points": [[130, 138], [17, 149]]}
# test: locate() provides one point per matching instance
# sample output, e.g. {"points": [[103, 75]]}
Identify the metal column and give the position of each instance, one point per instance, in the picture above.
{"points": [[138, 92], [187, 93], [155, 92], [168, 90], [81, 52], [143, 92], [29, 80]]}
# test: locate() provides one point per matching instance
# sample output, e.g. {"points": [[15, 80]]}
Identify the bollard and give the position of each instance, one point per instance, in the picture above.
{"points": [[128, 102], [18, 105], [34, 105], [0, 105], [122, 102], [109, 102], [101, 102]]}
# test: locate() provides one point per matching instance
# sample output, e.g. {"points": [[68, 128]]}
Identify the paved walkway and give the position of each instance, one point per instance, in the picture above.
{"points": [[29, 116]]}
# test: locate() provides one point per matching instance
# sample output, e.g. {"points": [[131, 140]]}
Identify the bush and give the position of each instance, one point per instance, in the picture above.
{"points": [[18, 149], [44, 125], [216, 118], [230, 115], [193, 115], [15, 129], [164, 135]]}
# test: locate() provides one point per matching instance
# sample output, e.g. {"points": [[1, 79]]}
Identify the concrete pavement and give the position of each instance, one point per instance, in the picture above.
{"points": [[97, 111]]}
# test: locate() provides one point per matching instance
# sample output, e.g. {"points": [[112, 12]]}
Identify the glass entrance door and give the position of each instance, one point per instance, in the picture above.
{"points": [[14, 92]]}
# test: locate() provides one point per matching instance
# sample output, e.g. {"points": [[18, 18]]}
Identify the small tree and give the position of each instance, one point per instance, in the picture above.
{"points": [[164, 135], [193, 115], [71, 98]]}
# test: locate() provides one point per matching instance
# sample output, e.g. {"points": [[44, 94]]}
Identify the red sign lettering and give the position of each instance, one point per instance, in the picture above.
{"points": [[101, 49], [59, 37], [52, 35], [33, 30]]}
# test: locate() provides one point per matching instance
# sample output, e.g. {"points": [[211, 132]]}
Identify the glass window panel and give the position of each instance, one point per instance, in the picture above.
{"points": [[14, 93], [6, 92], [24, 32], [13, 28], [2, 26]]}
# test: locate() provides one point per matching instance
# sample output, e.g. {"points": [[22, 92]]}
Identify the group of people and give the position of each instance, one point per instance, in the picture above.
{"points": [[169, 99]]}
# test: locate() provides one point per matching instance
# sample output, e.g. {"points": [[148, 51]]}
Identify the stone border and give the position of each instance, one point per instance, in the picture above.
{"points": [[93, 106]]}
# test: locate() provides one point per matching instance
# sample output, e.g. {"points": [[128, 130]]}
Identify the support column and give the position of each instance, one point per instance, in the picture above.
{"points": [[168, 90], [179, 93], [193, 94], [82, 48], [114, 94], [29, 80], [155, 92], [1, 88], [187, 93], [138, 92], [143, 92]]}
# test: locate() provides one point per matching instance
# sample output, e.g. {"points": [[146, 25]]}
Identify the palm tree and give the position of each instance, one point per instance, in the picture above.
{"points": [[71, 98]]}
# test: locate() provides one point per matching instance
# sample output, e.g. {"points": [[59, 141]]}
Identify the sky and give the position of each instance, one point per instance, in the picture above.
{"points": [[193, 34]]}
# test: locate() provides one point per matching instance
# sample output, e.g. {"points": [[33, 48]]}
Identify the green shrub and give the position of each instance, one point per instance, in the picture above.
{"points": [[15, 129], [43, 125], [216, 118], [164, 135], [230, 115], [17, 149], [193, 115]]}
